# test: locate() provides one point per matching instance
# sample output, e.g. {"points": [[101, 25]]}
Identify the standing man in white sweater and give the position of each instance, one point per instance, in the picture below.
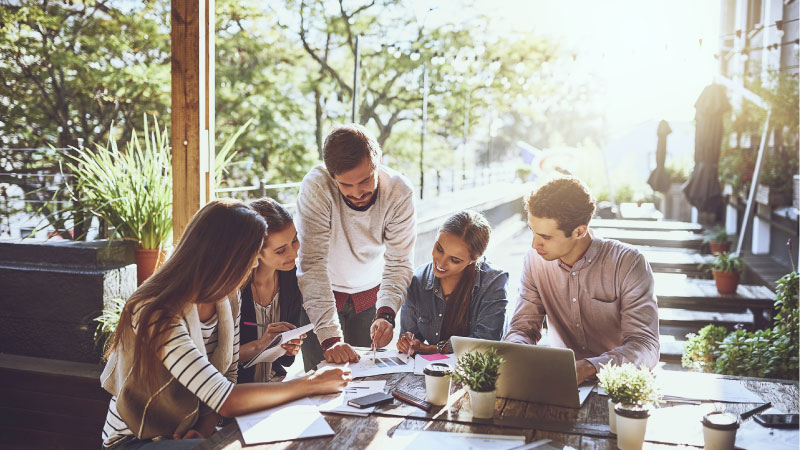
{"points": [[356, 225]]}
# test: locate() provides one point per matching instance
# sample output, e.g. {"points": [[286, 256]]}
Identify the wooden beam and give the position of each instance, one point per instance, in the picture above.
{"points": [[192, 35]]}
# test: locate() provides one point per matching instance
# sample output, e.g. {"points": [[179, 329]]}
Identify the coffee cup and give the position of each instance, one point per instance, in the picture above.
{"points": [[719, 430], [437, 383]]}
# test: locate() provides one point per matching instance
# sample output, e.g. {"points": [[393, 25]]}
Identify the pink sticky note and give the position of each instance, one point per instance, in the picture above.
{"points": [[434, 357]]}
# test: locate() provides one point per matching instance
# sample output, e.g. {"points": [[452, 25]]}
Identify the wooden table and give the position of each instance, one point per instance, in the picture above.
{"points": [[584, 428], [677, 260]]}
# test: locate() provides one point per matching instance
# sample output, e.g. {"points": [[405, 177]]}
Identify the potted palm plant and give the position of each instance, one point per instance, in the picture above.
{"points": [[131, 190], [479, 371], [726, 268], [719, 241], [634, 392]]}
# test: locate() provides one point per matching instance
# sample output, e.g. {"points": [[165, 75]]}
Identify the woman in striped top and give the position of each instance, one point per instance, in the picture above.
{"points": [[271, 299], [172, 360]]}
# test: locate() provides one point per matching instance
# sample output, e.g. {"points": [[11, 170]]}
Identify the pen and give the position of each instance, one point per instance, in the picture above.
{"points": [[757, 409], [253, 324]]}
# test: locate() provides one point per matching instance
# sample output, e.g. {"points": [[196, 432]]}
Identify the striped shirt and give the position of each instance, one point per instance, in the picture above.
{"points": [[192, 369]]}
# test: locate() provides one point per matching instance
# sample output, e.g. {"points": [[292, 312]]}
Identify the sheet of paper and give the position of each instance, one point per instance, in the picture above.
{"points": [[463, 441], [752, 435], [386, 361], [420, 361], [354, 389], [704, 387], [296, 420], [274, 350]]}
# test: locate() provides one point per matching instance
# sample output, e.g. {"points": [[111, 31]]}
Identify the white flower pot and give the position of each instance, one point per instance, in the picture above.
{"points": [[612, 416], [631, 427], [482, 403], [719, 430]]}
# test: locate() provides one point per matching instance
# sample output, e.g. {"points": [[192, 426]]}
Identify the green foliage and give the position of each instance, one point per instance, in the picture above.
{"points": [[107, 322], [678, 171], [770, 353], [717, 234], [699, 352], [628, 385], [777, 171], [524, 172], [131, 190], [736, 166], [727, 262], [478, 370]]}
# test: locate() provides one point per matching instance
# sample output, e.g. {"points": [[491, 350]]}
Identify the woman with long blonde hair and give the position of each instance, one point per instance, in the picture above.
{"points": [[172, 360]]}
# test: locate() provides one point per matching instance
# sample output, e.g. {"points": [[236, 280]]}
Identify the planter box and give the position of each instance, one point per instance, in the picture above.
{"points": [[52, 291], [769, 196]]}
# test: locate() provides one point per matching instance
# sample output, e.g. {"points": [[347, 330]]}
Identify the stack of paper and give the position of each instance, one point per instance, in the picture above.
{"points": [[420, 361], [296, 420], [355, 389], [378, 363], [275, 350]]}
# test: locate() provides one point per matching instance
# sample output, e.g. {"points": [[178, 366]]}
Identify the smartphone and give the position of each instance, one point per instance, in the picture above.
{"points": [[778, 420], [378, 398]]}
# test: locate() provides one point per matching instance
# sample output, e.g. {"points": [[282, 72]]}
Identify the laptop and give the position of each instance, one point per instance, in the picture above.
{"points": [[531, 373]]}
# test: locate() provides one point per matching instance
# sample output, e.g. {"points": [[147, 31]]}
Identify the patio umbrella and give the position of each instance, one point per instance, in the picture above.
{"points": [[659, 179], [703, 190]]}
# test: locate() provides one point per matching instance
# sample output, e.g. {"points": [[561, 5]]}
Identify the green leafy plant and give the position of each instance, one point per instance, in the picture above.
{"points": [[717, 234], [770, 353], [131, 190], [628, 385], [727, 262], [478, 370], [226, 154], [698, 354], [107, 322], [678, 171]]}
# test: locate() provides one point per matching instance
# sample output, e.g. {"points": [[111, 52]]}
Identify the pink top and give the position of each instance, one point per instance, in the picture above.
{"points": [[603, 307]]}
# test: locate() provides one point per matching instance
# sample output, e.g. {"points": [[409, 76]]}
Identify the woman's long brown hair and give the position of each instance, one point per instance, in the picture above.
{"points": [[475, 231], [212, 259]]}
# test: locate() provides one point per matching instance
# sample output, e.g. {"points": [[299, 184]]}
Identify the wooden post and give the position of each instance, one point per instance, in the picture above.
{"points": [[192, 33]]}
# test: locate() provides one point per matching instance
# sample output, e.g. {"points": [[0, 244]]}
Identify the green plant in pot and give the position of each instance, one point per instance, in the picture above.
{"points": [[131, 190], [726, 268], [479, 371], [700, 350], [632, 391], [719, 241]]}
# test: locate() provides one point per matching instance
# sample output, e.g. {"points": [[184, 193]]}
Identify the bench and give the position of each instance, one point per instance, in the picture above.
{"points": [[50, 404], [645, 225], [672, 239]]}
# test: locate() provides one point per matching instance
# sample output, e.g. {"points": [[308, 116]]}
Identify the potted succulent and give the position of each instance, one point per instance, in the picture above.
{"points": [[479, 371], [719, 241], [131, 190], [633, 391], [726, 268]]}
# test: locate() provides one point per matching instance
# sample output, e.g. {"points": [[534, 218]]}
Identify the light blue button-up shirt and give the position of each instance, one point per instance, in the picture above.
{"points": [[423, 310]]}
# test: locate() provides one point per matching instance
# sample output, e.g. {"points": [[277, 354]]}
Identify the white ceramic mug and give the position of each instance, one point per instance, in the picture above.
{"points": [[437, 383]]}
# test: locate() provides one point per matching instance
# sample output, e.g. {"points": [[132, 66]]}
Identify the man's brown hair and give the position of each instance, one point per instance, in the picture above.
{"points": [[566, 200], [346, 147]]}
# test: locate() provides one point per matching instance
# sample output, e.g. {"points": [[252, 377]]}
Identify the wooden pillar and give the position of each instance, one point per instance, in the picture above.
{"points": [[192, 34]]}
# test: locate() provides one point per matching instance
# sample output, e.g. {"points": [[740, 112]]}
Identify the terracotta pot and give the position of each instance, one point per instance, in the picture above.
{"points": [[727, 282], [147, 261], [719, 247]]}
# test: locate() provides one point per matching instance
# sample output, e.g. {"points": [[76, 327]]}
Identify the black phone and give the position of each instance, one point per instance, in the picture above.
{"points": [[378, 398], [778, 420]]}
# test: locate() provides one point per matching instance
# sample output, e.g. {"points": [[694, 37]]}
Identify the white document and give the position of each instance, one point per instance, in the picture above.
{"points": [[420, 361], [354, 389], [462, 441], [274, 350], [704, 387], [386, 361], [296, 420]]}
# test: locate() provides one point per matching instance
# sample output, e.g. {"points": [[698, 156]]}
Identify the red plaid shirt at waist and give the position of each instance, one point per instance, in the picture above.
{"points": [[362, 301]]}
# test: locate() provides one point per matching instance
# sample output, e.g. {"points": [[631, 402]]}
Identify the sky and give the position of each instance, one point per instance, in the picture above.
{"points": [[645, 54]]}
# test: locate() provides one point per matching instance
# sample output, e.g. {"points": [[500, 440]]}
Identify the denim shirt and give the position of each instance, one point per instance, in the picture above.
{"points": [[423, 310]]}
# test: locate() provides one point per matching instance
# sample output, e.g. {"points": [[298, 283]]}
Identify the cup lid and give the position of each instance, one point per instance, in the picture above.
{"points": [[437, 369], [721, 420]]}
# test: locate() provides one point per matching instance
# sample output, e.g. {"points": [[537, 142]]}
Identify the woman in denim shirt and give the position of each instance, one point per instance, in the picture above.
{"points": [[459, 293]]}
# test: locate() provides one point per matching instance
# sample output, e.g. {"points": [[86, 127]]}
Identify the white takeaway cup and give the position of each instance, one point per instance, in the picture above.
{"points": [[437, 383], [719, 430]]}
